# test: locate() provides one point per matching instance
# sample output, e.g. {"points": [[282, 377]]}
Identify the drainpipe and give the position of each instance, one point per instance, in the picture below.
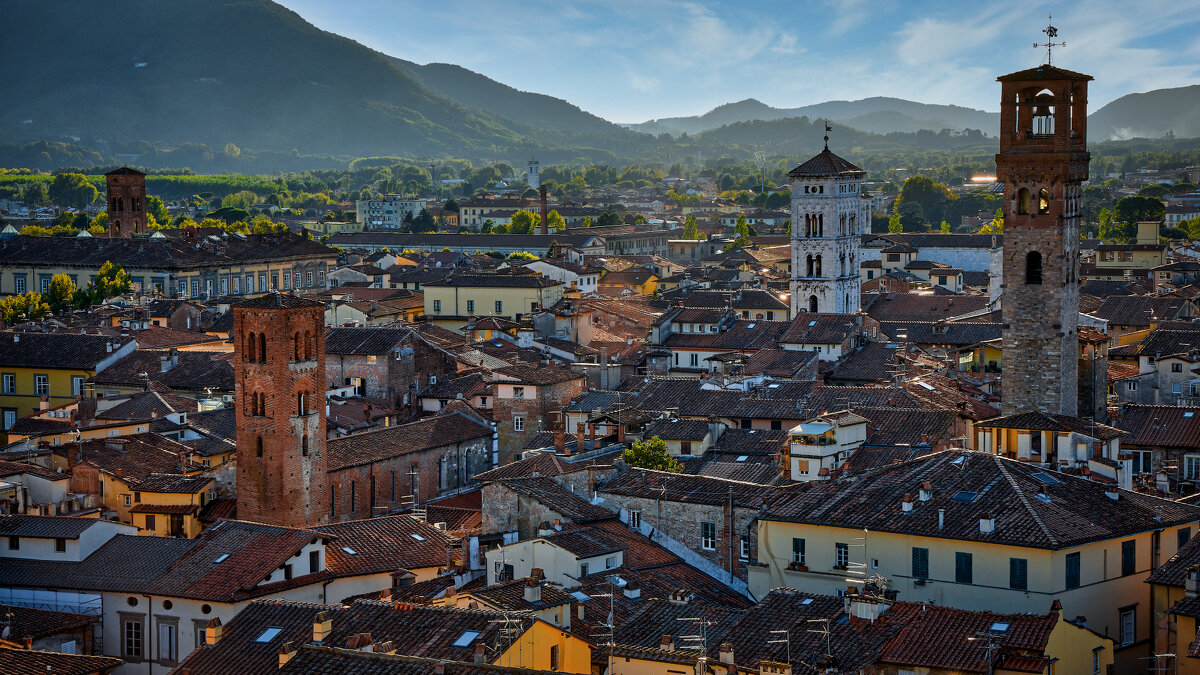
{"points": [[148, 632]]}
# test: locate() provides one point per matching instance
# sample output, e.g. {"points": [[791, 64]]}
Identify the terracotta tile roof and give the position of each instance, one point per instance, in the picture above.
{"points": [[897, 426], [1160, 426], [1173, 572], [1119, 371], [1164, 342], [955, 333], [196, 371], [685, 488], [125, 563], [1139, 310], [161, 337], [402, 439], [869, 363], [133, 458], [247, 553], [751, 442], [339, 661], [553, 496], [918, 307], [240, 650], [820, 329], [166, 509], [781, 363], [384, 545], [56, 350], [30, 623], [1050, 422], [937, 638], [510, 596], [1042, 73], [43, 527], [8, 468], [475, 384], [968, 485], [676, 429], [278, 301], [547, 464], [364, 341], [29, 662], [149, 405], [743, 335], [536, 375], [825, 163]]}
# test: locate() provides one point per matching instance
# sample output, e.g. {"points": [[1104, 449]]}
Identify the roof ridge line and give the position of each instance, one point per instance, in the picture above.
{"points": [[1024, 500]]}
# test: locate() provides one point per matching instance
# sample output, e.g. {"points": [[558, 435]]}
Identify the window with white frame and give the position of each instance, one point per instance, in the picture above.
{"points": [[708, 536], [518, 423], [41, 385], [744, 547], [635, 518], [1191, 467], [1128, 626]]}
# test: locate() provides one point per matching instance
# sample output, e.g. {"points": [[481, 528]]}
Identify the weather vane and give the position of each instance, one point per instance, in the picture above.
{"points": [[1051, 33], [827, 130]]}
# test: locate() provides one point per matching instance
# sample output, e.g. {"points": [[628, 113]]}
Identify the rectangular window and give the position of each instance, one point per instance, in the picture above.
{"points": [[920, 563], [744, 547], [262, 281], [320, 277], [131, 638], [314, 562], [195, 288], [14, 543], [237, 285], [499, 306], [1128, 557], [470, 307], [8, 383], [287, 280], [308, 278], [1183, 536], [20, 283], [553, 657], [287, 571], [841, 555], [10, 418], [1073, 570], [77, 385], [635, 519], [1096, 660], [60, 545], [1018, 574], [224, 285], [437, 305], [274, 281], [41, 385], [1176, 367], [964, 572], [518, 392], [518, 423], [685, 448], [1128, 626], [798, 551], [128, 500], [708, 536], [150, 521], [168, 640], [1191, 467]]}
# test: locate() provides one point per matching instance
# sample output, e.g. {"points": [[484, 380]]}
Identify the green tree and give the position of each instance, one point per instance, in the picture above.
{"points": [[60, 293], [945, 227], [72, 189], [1134, 209], [451, 206], [155, 207], [933, 200], [523, 222], [28, 306], [741, 228], [587, 221], [556, 222], [690, 231], [111, 281], [232, 151], [34, 231], [35, 192], [652, 454], [894, 224], [1105, 220]]}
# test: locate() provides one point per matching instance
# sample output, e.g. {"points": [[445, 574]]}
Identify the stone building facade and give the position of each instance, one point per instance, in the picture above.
{"points": [[279, 362], [126, 189], [714, 517], [524, 398], [1043, 159], [829, 216], [375, 472]]}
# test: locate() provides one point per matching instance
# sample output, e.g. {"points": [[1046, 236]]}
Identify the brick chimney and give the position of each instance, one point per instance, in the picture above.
{"points": [[322, 626], [667, 644], [213, 631], [726, 653], [545, 210], [286, 653], [533, 590]]}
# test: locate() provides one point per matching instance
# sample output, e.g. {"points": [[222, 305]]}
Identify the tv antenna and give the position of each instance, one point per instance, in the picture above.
{"points": [[1051, 33]]}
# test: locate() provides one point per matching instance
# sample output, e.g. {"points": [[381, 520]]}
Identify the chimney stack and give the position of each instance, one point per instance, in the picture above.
{"points": [[907, 504], [214, 631], [286, 653], [987, 524], [726, 653], [322, 626], [533, 590], [545, 210], [667, 644]]}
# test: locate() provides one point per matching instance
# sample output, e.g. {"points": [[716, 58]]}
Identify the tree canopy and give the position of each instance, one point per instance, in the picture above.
{"points": [[652, 454]]}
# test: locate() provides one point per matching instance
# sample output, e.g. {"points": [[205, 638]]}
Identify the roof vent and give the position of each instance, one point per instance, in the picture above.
{"points": [[1112, 493], [926, 492], [907, 504]]}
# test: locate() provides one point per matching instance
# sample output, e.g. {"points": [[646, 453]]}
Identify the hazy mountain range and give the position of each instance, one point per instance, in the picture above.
{"points": [[114, 75]]}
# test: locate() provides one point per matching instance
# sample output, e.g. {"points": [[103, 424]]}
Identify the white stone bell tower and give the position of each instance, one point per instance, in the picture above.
{"points": [[829, 216]]}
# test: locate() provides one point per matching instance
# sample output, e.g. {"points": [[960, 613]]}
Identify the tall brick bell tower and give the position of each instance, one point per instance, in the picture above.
{"points": [[279, 356], [1043, 160], [126, 189]]}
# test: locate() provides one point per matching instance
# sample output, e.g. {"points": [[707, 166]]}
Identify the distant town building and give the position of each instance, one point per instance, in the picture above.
{"points": [[387, 213]]}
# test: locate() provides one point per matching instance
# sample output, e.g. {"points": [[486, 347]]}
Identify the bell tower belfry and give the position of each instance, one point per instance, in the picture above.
{"points": [[1042, 162]]}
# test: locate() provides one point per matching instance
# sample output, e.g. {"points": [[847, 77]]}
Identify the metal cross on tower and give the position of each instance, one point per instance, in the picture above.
{"points": [[1051, 33]]}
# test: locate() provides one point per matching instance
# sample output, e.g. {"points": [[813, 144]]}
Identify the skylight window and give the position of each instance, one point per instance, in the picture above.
{"points": [[580, 596], [1046, 478], [926, 385], [806, 601], [221, 558], [1189, 415], [964, 496], [269, 634], [742, 458], [349, 550], [999, 627], [466, 638], [812, 323], [417, 537]]}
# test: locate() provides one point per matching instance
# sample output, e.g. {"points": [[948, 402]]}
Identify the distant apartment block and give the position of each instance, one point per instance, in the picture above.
{"points": [[387, 213]]}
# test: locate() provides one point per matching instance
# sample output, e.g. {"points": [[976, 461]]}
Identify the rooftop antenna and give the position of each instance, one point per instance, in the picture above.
{"points": [[699, 640], [1051, 33], [991, 644], [823, 630], [785, 640]]}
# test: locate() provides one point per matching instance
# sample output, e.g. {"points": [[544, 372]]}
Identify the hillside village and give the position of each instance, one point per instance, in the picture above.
{"points": [[638, 430]]}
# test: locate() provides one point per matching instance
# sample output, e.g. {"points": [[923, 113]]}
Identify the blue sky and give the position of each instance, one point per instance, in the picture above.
{"points": [[629, 61]]}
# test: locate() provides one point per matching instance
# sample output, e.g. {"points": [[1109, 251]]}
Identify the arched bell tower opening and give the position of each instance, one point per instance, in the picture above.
{"points": [[1042, 162]]}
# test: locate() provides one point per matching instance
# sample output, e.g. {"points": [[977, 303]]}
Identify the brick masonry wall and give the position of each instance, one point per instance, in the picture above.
{"points": [[286, 484]]}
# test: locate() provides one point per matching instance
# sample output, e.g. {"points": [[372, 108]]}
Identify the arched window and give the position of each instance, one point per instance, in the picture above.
{"points": [[117, 227], [1043, 202], [262, 347], [852, 224], [1033, 268], [1023, 201], [820, 224], [812, 304], [810, 266], [309, 344], [304, 445], [842, 224], [299, 350], [258, 447], [120, 204], [300, 403], [818, 266]]}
